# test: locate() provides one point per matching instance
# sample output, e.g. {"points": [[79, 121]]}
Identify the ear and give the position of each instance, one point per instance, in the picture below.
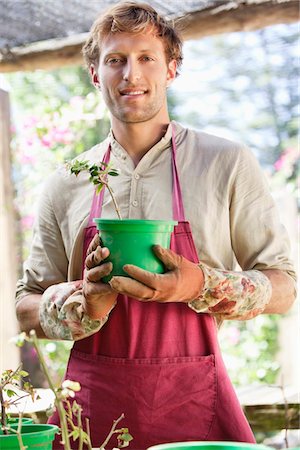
{"points": [[94, 76], [171, 74]]}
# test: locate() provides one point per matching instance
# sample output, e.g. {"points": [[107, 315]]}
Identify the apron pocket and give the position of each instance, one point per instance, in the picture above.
{"points": [[163, 399], [185, 400]]}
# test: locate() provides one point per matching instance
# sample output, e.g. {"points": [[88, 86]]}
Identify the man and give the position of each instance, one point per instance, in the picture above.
{"points": [[146, 344]]}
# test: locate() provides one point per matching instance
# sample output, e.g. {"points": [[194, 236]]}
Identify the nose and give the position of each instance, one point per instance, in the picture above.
{"points": [[131, 71]]}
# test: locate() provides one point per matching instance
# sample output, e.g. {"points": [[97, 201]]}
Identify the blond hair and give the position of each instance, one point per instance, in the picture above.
{"points": [[131, 17]]}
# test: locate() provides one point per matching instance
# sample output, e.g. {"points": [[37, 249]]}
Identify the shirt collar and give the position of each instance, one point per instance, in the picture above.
{"points": [[161, 145]]}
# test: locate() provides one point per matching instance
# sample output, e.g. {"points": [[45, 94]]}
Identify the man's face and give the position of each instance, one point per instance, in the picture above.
{"points": [[133, 75]]}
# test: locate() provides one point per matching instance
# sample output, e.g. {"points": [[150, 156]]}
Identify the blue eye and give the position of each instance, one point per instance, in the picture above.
{"points": [[113, 61]]}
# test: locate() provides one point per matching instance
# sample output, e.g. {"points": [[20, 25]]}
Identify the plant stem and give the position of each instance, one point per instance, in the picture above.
{"points": [[18, 399], [114, 200], [115, 423], [103, 180], [19, 431], [11, 376], [20, 441], [3, 412], [58, 400], [88, 431], [80, 446]]}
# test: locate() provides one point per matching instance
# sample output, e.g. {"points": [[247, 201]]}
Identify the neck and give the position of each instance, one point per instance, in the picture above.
{"points": [[138, 138]]}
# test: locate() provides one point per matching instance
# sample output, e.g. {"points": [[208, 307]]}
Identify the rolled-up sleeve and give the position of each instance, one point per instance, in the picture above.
{"points": [[259, 240], [47, 263]]}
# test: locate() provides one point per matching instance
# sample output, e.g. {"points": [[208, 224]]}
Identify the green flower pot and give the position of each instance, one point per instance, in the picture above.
{"points": [[130, 242], [209, 446], [14, 421], [34, 437]]}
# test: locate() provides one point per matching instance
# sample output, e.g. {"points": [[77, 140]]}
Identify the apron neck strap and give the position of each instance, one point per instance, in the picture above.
{"points": [[177, 203]]}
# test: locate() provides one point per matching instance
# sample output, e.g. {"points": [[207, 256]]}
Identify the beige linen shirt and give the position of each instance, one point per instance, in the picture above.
{"points": [[226, 200]]}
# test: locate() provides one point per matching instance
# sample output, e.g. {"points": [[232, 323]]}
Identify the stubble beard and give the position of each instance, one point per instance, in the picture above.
{"points": [[130, 115], [135, 116]]}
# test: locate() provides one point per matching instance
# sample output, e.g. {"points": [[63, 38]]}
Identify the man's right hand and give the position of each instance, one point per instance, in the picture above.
{"points": [[99, 298]]}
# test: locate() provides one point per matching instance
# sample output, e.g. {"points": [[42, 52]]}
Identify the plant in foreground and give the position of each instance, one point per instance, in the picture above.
{"points": [[69, 411], [98, 176], [10, 395]]}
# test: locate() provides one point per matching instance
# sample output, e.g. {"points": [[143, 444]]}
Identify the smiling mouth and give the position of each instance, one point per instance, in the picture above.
{"points": [[132, 93]]}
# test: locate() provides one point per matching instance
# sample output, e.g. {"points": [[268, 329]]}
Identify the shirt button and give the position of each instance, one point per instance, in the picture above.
{"points": [[136, 176], [135, 203]]}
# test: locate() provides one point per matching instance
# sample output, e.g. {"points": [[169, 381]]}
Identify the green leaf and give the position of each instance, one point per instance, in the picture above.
{"points": [[23, 373], [20, 339], [85, 436], [75, 434], [76, 408], [77, 166], [126, 437], [10, 393], [94, 171]]}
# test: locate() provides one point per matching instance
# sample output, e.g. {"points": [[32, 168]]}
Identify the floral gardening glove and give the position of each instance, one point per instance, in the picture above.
{"points": [[61, 314], [224, 294], [77, 309], [233, 295]]}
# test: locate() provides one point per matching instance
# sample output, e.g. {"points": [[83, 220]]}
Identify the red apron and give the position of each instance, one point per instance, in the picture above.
{"points": [[159, 364]]}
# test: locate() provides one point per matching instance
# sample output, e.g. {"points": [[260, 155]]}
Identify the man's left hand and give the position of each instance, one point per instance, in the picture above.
{"points": [[182, 282]]}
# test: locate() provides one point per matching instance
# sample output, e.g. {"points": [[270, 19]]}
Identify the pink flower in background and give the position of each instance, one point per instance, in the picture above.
{"points": [[62, 135], [30, 122], [27, 222], [287, 158], [279, 163], [233, 335], [56, 116], [46, 140], [27, 159], [57, 135], [29, 142]]}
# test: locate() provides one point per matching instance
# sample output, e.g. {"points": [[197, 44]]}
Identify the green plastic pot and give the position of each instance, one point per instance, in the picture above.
{"points": [[209, 446], [34, 437], [14, 421], [130, 242]]}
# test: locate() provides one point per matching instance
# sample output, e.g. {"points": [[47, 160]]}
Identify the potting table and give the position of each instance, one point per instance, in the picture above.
{"points": [[271, 408], [268, 408]]}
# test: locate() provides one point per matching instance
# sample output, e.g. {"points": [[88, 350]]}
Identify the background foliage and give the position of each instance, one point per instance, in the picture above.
{"points": [[241, 86]]}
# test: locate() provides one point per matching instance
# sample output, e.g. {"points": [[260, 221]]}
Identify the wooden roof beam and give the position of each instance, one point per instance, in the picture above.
{"points": [[47, 55], [55, 53], [246, 17]]}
